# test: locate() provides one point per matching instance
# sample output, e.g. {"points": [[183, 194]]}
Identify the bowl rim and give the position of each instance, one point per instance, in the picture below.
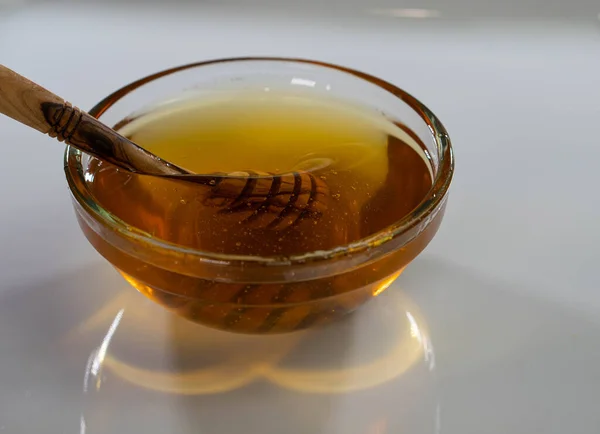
{"points": [[424, 212]]}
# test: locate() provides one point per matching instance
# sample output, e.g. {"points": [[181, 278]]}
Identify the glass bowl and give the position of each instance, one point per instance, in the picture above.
{"points": [[254, 294]]}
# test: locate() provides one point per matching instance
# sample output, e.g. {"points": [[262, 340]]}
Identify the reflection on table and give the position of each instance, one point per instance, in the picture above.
{"points": [[346, 377]]}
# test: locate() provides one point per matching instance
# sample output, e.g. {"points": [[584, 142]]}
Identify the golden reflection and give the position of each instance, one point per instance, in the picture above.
{"points": [[380, 371], [385, 284], [203, 382], [150, 348]]}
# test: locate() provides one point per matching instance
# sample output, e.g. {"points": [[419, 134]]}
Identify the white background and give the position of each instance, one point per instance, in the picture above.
{"points": [[508, 290]]}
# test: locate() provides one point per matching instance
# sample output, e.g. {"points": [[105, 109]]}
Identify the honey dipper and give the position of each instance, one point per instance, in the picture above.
{"points": [[275, 201]]}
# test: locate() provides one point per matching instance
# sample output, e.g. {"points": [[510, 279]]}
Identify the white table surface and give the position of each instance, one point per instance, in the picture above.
{"points": [[494, 329]]}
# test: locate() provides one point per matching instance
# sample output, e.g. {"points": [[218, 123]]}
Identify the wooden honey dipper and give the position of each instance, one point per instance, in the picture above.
{"points": [[273, 201]]}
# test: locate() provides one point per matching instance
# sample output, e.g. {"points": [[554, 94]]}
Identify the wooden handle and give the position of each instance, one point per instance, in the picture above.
{"points": [[36, 107], [22, 100], [258, 195]]}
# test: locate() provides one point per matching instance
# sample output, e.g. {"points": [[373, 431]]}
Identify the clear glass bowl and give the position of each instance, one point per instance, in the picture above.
{"points": [[297, 292]]}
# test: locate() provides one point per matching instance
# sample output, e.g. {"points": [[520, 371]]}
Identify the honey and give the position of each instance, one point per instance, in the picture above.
{"points": [[357, 172]]}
